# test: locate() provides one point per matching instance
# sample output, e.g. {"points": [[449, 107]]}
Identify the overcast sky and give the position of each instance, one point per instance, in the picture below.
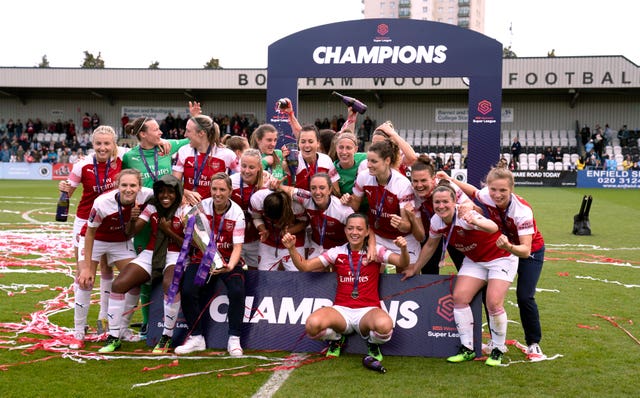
{"points": [[135, 33]]}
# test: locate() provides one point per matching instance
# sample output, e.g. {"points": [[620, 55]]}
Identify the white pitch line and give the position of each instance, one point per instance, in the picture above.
{"points": [[26, 216], [278, 377], [587, 247]]}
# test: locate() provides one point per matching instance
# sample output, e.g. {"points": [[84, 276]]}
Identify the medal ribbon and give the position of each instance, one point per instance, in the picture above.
{"points": [[380, 204], [155, 172], [445, 243], [103, 187], [180, 263], [199, 168], [355, 273], [212, 247], [309, 175]]}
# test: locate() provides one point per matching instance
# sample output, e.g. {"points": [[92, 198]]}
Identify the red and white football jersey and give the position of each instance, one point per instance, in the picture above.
{"points": [[189, 161], [327, 227], [368, 293], [384, 201], [517, 220]]}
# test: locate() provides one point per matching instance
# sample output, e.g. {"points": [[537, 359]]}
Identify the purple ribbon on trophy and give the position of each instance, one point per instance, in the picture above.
{"points": [[179, 268]]}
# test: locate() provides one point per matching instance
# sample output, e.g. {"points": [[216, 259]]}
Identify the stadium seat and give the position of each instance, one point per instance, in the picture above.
{"points": [[557, 166], [574, 157], [523, 158], [546, 134], [563, 133], [523, 166], [402, 133], [555, 141], [550, 166], [533, 166]]}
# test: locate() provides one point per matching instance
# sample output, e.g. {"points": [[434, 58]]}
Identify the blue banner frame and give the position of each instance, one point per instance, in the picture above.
{"points": [[278, 304], [396, 48]]}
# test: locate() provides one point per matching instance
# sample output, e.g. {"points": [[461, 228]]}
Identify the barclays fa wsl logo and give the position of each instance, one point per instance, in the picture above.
{"points": [[484, 107], [445, 307], [383, 29]]}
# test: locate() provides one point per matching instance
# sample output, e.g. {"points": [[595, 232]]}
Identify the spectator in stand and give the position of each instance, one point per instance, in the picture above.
{"points": [[20, 154], [52, 156], [64, 155], [549, 155], [585, 134], [610, 163], [38, 125], [627, 163], [95, 121], [542, 162], [516, 148], [368, 127], [123, 121], [74, 156], [513, 165], [635, 166], [581, 164], [30, 129], [170, 121], [20, 127], [71, 131], [451, 163], [11, 129], [558, 154], [340, 122], [608, 134], [589, 146], [623, 135], [598, 140], [86, 123], [5, 154]]}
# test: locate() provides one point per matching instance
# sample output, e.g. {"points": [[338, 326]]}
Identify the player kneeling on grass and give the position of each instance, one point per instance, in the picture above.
{"points": [[164, 214], [357, 302]]}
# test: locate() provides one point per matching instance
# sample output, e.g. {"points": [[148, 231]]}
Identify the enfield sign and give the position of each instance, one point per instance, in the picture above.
{"points": [[396, 48]]}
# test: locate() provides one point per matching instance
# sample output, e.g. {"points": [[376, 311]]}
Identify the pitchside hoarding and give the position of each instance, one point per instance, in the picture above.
{"points": [[278, 304], [609, 179]]}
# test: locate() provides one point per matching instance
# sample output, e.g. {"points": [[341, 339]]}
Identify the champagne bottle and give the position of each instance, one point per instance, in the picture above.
{"points": [[62, 210], [356, 105], [370, 362]]}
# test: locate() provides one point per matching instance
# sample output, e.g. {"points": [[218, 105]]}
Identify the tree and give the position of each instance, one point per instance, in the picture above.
{"points": [[508, 53], [214, 63], [154, 65], [91, 62], [44, 63]]}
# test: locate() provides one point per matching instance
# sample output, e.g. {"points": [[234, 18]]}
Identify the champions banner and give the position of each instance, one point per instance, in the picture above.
{"points": [[403, 48], [278, 304]]}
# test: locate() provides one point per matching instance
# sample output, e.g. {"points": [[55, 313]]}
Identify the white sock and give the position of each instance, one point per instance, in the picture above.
{"points": [[464, 322], [81, 308], [327, 334], [377, 338], [105, 290], [130, 302], [498, 328], [170, 316], [116, 308]]}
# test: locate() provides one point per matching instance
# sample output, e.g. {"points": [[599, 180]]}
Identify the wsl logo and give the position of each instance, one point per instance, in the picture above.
{"points": [[380, 55]]}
